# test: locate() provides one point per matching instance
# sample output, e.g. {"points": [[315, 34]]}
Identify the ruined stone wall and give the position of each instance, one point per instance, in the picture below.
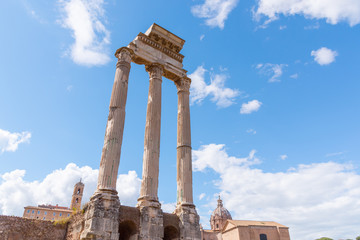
{"points": [[171, 220], [127, 213], [129, 223], [75, 226], [17, 228]]}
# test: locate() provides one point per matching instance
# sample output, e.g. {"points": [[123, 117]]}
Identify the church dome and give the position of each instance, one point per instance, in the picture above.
{"points": [[219, 216]]}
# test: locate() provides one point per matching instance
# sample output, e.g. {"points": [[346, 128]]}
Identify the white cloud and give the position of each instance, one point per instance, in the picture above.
{"points": [[9, 142], [202, 37], [324, 56], [251, 131], [222, 96], [251, 106], [57, 188], [85, 19], [283, 157], [168, 207], [31, 11], [333, 11], [128, 187], [214, 156], [273, 70], [334, 154], [214, 11], [201, 196], [294, 76], [312, 27], [314, 200]]}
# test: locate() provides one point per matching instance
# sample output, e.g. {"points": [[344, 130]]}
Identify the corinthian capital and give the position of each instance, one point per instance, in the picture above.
{"points": [[155, 70], [183, 84], [124, 54]]}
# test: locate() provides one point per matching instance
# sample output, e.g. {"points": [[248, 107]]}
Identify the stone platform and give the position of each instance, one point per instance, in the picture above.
{"points": [[129, 225]]}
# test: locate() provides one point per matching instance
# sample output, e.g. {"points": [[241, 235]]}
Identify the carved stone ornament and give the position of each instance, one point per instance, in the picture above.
{"points": [[155, 70], [124, 54], [183, 84]]}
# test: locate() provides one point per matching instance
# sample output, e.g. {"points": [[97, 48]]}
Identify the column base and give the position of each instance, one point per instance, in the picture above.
{"points": [[190, 227], [151, 219], [102, 216]]}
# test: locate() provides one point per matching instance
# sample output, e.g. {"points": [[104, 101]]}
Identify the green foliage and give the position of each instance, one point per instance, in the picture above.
{"points": [[358, 238], [324, 238], [62, 221]]}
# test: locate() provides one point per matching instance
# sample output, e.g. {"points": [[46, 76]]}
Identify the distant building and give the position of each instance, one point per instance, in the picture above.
{"points": [[77, 196], [53, 213], [224, 228]]}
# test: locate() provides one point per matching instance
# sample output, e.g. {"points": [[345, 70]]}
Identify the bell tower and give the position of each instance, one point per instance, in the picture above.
{"points": [[77, 196]]}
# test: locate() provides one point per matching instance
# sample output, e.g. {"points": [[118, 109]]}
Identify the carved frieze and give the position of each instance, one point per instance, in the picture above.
{"points": [[163, 46]]}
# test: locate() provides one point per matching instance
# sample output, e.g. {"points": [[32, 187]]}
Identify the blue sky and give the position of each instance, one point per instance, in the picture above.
{"points": [[275, 106]]}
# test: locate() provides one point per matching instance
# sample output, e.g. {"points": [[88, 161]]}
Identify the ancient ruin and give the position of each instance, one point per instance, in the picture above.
{"points": [[159, 50], [104, 218]]}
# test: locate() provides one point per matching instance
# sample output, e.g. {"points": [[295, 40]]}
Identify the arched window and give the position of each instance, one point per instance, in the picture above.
{"points": [[217, 225], [77, 200], [263, 237], [78, 192]]}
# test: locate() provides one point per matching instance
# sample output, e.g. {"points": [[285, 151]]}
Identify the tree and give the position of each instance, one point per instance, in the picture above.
{"points": [[358, 238], [324, 238]]}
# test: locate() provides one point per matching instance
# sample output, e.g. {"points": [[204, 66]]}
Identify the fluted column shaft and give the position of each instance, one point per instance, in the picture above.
{"points": [[150, 177], [111, 151], [184, 164]]}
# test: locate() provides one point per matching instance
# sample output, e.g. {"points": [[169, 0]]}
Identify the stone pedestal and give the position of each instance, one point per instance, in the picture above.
{"points": [[102, 217], [151, 221], [190, 227]]}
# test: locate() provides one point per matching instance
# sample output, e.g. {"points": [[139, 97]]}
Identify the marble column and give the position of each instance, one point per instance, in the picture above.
{"points": [[101, 214], [111, 151], [185, 208], [184, 164], [151, 215], [150, 175]]}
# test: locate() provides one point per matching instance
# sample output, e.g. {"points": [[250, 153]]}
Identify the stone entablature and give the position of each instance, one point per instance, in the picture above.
{"points": [[157, 45]]}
